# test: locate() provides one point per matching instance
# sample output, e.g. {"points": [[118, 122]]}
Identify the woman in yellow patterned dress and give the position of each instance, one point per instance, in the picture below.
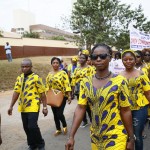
{"points": [[108, 97], [80, 72], [58, 79], [139, 89], [146, 54]]}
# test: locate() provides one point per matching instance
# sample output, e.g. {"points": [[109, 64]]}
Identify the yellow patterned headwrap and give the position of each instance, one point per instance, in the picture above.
{"points": [[85, 52], [75, 58], [128, 50]]}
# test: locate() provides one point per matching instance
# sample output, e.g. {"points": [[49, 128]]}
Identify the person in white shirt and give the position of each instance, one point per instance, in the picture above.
{"points": [[8, 52]]}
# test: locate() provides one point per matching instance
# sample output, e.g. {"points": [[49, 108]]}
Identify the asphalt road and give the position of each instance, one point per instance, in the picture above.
{"points": [[14, 137]]}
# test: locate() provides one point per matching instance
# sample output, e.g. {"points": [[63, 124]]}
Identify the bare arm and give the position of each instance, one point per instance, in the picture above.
{"points": [[147, 95], [126, 117], [13, 101], [69, 96], [77, 119], [72, 93], [43, 98]]}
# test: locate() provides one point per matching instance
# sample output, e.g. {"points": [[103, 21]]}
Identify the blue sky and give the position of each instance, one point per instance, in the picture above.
{"points": [[48, 12]]}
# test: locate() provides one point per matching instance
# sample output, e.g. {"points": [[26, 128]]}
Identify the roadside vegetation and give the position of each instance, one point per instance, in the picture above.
{"points": [[9, 71]]}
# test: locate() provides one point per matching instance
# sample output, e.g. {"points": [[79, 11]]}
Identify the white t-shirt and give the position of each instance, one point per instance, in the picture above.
{"points": [[8, 49]]}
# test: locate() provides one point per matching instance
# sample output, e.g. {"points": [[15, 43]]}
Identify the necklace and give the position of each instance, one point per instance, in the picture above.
{"points": [[102, 78]]}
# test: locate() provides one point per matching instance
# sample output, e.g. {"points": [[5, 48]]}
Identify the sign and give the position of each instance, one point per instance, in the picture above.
{"points": [[139, 40]]}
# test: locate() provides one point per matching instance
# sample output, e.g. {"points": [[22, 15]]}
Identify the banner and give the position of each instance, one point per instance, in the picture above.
{"points": [[139, 40]]}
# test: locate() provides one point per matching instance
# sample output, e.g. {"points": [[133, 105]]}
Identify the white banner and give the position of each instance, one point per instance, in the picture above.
{"points": [[139, 40]]}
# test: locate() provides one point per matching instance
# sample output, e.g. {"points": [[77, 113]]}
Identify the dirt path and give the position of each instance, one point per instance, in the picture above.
{"points": [[14, 137]]}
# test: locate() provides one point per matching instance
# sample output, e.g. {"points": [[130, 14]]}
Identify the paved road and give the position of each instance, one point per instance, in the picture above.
{"points": [[14, 137]]}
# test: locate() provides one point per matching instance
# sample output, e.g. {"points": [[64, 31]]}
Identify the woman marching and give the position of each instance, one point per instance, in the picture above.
{"points": [[139, 89], [108, 97], [146, 56], [58, 79], [84, 70]]}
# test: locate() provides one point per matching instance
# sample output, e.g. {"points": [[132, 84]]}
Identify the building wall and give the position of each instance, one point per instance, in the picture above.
{"points": [[23, 19], [35, 47]]}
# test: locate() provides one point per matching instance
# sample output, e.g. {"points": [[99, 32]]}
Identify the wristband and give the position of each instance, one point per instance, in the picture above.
{"points": [[45, 108], [132, 138]]}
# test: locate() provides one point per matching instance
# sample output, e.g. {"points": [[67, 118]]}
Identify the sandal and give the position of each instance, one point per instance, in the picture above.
{"points": [[57, 132], [65, 130]]}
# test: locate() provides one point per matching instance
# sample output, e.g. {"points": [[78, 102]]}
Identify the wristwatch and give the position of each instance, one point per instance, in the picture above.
{"points": [[45, 108]]}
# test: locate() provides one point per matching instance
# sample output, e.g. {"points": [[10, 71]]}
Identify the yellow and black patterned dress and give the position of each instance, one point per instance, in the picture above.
{"points": [[30, 90], [80, 73], [59, 81], [107, 129], [137, 87]]}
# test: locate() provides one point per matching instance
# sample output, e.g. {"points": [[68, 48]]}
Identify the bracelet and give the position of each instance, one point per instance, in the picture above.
{"points": [[70, 138], [132, 138]]}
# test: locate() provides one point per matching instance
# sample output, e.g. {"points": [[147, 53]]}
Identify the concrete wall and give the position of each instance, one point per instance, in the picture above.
{"points": [[36, 47]]}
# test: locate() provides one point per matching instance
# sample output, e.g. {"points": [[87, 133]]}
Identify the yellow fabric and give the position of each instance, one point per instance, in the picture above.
{"points": [[29, 98], [119, 146], [59, 81], [75, 58], [80, 73], [107, 129], [128, 50], [137, 86], [85, 52], [146, 68], [70, 69]]}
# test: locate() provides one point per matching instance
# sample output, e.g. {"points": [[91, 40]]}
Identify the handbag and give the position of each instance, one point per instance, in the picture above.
{"points": [[54, 97]]}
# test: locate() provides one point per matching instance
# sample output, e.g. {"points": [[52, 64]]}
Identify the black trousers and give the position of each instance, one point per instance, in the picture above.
{"points": [[88, 110], [59, 115], [32, 130]]}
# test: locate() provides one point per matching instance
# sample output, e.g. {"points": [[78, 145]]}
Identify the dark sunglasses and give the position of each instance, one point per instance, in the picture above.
{"points": [[101, 56], [138, 56], [146, 54]]}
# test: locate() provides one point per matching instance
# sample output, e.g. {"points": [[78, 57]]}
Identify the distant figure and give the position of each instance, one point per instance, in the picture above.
{"points": [[8, 52]]}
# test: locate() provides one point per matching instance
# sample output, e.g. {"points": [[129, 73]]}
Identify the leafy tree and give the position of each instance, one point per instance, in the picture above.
{"points": [[106, 21], [31, 35]]}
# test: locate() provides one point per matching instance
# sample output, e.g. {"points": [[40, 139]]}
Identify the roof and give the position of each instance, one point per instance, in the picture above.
{"points": [[11, 35], [47, 28]]}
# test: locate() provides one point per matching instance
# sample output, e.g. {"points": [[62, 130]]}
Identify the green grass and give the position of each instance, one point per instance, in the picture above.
{"points": [[10, 71]]}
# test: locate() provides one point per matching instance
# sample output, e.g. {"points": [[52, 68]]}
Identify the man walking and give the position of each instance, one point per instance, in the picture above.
{"points": [[30, 90], [8, 52]]}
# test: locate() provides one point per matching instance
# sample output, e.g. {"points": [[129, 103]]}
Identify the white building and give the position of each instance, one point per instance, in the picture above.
{"points": [[22, 20]]}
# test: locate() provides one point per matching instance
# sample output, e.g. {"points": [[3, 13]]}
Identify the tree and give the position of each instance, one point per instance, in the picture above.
{"points": [[1, 33], [31, 35], [106, 21]]}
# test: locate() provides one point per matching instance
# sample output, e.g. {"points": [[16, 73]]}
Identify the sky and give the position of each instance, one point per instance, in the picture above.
{"points": [[49, 12]]}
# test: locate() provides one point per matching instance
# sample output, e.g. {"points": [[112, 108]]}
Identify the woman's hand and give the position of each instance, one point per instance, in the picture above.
{"points": [[70, 144], [130, 145], [69, 100]]}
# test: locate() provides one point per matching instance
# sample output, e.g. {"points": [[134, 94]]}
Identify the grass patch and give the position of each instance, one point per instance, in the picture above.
{"points": [[10, 71]]}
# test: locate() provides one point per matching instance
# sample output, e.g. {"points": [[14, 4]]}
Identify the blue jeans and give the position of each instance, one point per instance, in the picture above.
{"points": [[9, 57], [139, 119]]}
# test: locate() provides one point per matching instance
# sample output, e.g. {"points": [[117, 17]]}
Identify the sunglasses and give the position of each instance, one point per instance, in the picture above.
{"points": [[146, 54], [138, 56], [101, 56]]}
